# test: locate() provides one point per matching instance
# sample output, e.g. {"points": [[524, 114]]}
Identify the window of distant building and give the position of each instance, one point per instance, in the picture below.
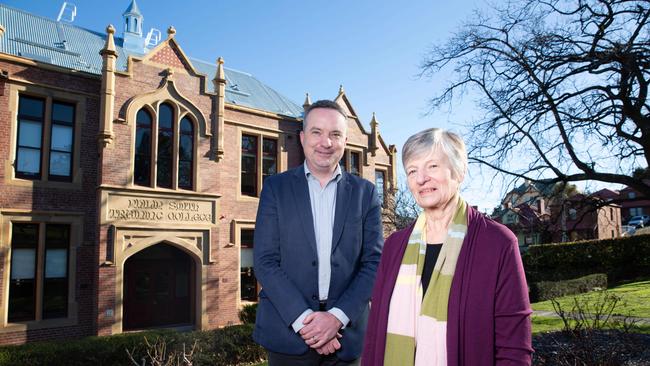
{"points": [[259, 160], [45, 139], [380, 184], [165, 148], [248, 282], [351, 162], [631, 195]]}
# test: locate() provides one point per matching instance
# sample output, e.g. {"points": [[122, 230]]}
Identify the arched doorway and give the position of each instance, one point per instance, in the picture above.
{"points": [[158, 288]]}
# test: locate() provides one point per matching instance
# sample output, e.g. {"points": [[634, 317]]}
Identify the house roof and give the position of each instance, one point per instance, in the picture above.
{"points": [[62, 44]]}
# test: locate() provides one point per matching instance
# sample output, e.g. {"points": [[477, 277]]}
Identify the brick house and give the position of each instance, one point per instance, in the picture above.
{"points": [[130, 176], [537, 213], [633, 203]]}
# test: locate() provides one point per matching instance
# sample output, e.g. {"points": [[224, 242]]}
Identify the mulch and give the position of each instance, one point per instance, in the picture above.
{"points": [[592, 348]]}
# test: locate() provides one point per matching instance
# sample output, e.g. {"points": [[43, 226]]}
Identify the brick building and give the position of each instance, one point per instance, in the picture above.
{"points": [[130, 176]]}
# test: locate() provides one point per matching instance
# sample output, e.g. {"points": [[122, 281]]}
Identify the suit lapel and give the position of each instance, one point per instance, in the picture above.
{"points": [[343, 193], [303, 205]]}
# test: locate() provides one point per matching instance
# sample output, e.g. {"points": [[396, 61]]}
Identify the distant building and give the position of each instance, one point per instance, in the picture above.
{"points": [[633, 203], [541, 213], [130, 176]]}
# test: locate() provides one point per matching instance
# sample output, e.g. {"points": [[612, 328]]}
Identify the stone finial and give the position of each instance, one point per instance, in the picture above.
{"points": [[373, 121], [171, 31], [307, 102], [221, 75], [109, 46], [341, 91]]}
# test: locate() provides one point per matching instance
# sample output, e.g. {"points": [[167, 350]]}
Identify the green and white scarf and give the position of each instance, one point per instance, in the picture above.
{"points": [[417, 327]]}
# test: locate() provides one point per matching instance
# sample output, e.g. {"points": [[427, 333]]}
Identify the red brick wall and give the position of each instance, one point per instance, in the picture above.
{"points": [[44, 198]]}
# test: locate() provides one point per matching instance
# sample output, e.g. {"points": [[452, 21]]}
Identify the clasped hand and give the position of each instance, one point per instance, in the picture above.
{"points": [[321, 332]]}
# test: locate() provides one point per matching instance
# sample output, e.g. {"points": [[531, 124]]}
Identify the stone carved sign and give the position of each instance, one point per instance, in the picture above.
{"points": [[159, 210]]}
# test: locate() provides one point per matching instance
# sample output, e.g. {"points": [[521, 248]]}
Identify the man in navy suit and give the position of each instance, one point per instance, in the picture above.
{"points": [[318, 239]]}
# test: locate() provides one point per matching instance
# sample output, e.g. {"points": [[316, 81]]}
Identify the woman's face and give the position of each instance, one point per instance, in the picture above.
{"points": [[431, 181]]}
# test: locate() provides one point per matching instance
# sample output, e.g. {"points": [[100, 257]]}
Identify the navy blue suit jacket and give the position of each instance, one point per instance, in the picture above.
{"points": [[286, 260]]}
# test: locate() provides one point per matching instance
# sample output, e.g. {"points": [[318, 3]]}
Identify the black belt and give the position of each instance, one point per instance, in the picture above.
{"points": [[322, 305]]}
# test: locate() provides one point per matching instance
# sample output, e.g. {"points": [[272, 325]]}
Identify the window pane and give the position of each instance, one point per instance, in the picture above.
{"points": [[55, 298], [164, 177], [63, 112], [379, 183], [185, 174], [142, 170], [269, 160], [60, 163], [248, 284], [56, 263], [246, 238], [22, 303], [28, 161], [354, 163], [246, 257], [165, 119], [62, 138], [165, 153], [165, 144], [342, 162], [249, 165], [31, 107], [23, 264], [143, 118], [22, 285], [248, 176], [143, 141], [186, 125], [30, 134], [185, 148]]}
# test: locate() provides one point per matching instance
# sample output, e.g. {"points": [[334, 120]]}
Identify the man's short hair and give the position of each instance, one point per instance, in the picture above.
{"points": [[326, 104]]}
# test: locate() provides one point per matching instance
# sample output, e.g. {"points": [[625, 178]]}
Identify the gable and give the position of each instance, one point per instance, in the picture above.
{"points": [[169, 54]]}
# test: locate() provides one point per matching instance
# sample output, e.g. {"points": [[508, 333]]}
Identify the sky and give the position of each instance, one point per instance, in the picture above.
{"points": [[373, 48]]}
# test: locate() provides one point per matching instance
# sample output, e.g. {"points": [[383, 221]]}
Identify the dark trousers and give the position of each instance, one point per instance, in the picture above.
{"points": [[309, 358]]}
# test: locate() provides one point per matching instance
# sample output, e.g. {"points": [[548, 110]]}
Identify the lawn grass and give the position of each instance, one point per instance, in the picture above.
{"points": [[635, 300]]}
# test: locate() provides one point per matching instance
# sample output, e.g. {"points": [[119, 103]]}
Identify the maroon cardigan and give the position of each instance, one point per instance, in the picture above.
{"points": [[488, 320]]}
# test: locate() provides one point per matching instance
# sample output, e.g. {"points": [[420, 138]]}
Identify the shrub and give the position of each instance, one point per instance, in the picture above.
{"points": [[546, 290], [621, 259], [247, 313], [227, 346]]}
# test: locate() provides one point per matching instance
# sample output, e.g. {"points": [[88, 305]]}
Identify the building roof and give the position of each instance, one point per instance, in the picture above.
{"points": [[132, 9], [72, 47]]}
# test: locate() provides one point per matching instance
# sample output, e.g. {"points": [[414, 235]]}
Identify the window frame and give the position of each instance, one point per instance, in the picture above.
{"points": [[259, 159], [49, 97], [384, 193], [346, 160], [178, 115], [237, 225], [74, 221], [51, 176]]}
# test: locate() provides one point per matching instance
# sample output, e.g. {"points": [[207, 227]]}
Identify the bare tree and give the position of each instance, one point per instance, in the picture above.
{"points": [[563, 86], [401, 209]]}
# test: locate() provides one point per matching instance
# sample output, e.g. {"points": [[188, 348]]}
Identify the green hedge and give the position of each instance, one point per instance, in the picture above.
{"points": [[546, 290], [622, 259], [247, 313], [227, 346]]}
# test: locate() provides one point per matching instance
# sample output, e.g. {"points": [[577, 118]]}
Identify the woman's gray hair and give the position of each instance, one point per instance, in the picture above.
{"points": [[425, 142]]}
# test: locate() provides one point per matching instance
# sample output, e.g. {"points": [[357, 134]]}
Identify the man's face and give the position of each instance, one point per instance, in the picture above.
{"points": [[323, 140]]}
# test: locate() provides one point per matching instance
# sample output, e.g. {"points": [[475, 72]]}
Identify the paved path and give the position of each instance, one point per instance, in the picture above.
{"points": [[552, 314]]}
